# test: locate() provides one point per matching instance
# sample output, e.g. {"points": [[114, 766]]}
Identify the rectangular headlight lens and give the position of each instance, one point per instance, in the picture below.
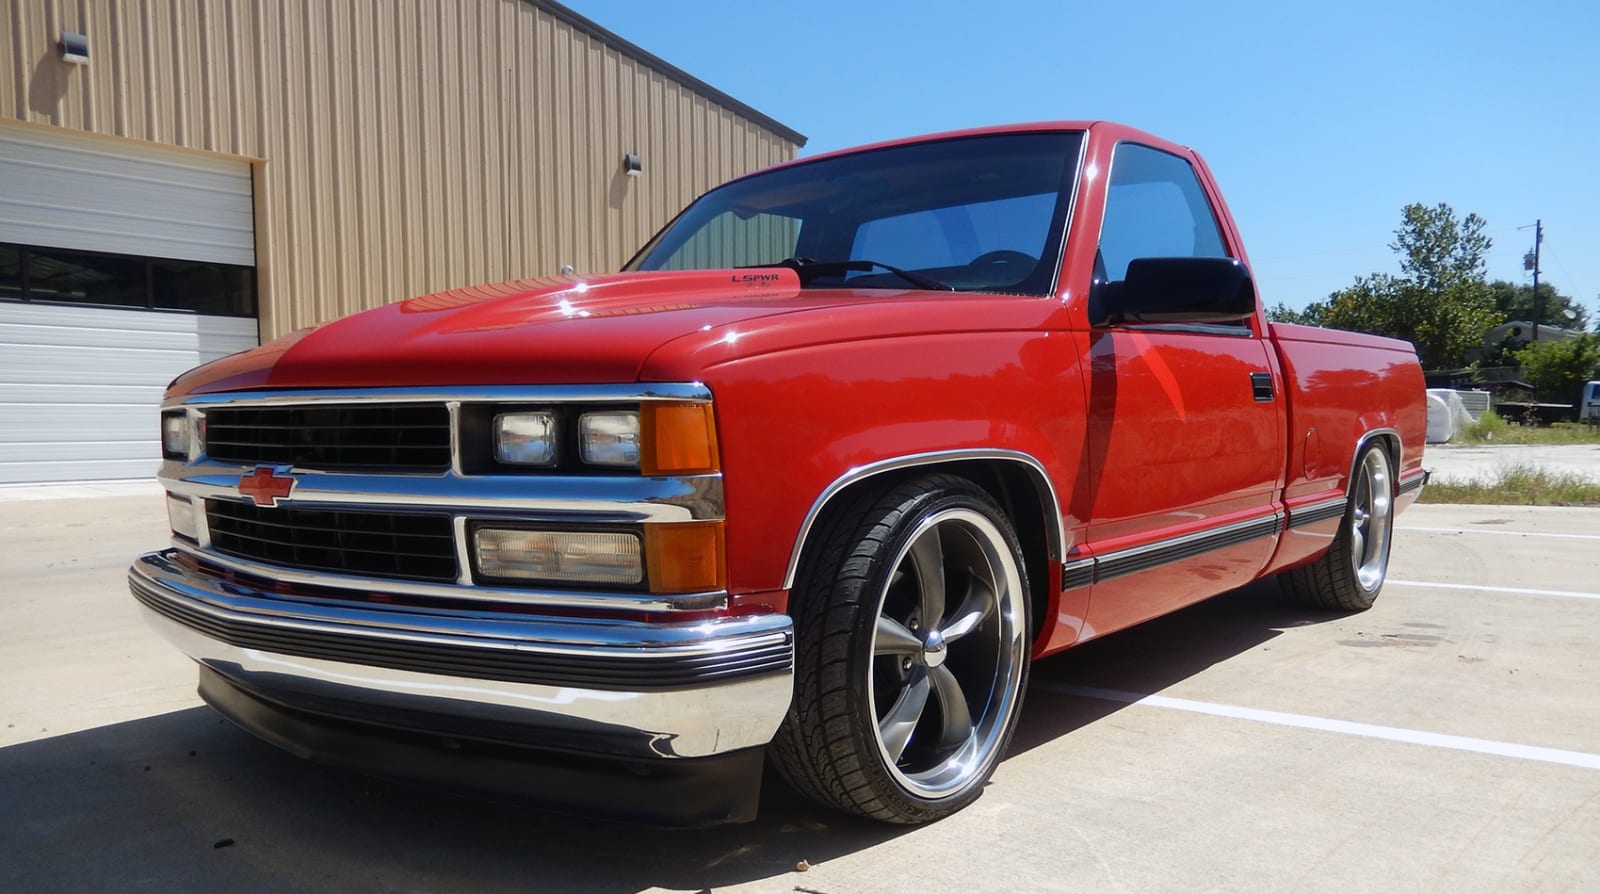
{"points": [[525, 439], [609, 439], [175, 435], [180, 514], [559, 556]]}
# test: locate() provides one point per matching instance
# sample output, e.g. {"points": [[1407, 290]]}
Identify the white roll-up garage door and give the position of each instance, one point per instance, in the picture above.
{"points": [[90, 230]]}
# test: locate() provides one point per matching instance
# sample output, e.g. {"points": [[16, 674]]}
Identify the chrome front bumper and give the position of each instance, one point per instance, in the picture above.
{"points": [[613, 689]]}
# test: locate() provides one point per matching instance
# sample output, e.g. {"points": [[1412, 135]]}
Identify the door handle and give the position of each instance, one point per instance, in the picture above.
{"points": [[1261, 384]]}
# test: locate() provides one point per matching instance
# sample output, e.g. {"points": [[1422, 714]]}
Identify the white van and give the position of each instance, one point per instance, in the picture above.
{"points": [[1589, 405]]}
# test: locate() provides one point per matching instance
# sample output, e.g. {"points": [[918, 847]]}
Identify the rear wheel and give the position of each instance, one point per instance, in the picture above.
{"points": [[912, 653], [1349, 575]]}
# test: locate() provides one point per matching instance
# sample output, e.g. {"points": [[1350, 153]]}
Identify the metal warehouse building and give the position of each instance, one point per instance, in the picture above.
{"points": [[180, 180]]}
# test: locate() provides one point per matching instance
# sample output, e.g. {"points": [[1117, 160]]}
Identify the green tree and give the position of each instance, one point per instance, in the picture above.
{"points": [[1515, 300], [1441, 303], [1311, 316], [1557, 369], [1437, 250]]}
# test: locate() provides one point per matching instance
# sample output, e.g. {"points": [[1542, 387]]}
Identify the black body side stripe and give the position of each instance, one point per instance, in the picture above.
{"points": [[1078, 573], [1317, 512], [1413, 483], [1144, 558]]}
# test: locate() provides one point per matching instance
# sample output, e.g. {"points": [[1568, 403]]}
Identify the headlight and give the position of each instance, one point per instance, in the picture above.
{"points": [[568, 557], [180, 513], [525, 439], [175, 435], [609, 439]]}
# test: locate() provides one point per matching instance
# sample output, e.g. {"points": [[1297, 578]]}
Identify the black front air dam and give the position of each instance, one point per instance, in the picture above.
{"points": [[693, 792]]}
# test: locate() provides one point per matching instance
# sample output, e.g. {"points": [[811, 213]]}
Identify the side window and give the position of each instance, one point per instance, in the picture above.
{"points": [[1155, 208]]}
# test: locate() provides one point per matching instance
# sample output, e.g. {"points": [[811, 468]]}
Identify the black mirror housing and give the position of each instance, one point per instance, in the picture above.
{"points": [[1183, 290]]}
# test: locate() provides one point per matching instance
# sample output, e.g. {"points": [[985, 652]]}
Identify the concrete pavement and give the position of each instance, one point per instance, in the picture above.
{"points": [[1448, 739]]}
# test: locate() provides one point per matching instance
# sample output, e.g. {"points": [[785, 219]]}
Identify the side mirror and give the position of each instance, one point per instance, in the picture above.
{"points": [[1182, 290]]}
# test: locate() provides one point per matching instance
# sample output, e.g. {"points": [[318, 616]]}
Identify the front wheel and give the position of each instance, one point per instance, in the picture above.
{"points": [[1349, 575], [912, 624]]}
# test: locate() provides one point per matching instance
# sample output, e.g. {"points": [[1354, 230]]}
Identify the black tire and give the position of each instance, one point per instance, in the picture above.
{"points": [[1349, 576], [933, 544]]}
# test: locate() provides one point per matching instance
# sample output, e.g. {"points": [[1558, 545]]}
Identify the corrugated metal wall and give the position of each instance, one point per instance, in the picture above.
{"points": [[401, 146]]}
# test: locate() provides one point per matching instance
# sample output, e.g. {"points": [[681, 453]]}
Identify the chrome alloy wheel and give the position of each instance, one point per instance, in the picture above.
{"points": [[1372, 508], [948, 653]]}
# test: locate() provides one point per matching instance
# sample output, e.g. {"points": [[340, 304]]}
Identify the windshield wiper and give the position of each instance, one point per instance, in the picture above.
{"points": [[810, 269]]}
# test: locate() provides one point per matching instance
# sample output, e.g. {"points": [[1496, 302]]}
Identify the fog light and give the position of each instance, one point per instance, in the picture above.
{"points": [[525, 439], [175, 435], [609, 439], [571, 557], [180, 514]]}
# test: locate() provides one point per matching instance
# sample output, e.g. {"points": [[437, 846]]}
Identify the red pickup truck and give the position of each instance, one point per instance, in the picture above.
{"points": [[843, 449]]}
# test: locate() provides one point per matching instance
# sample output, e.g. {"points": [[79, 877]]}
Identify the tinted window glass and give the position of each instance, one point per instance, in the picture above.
{"points": [[87, 279], [215, 289], [959, 234], [985, 213], [10, 271], [729, 240], [81, 277], [1155, 208]]}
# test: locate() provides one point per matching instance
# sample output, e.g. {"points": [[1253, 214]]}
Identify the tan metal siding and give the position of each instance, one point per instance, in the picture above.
{"points": [[401, 146]]}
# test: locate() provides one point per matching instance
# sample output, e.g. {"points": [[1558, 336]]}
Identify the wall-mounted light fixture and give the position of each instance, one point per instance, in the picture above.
{"points": [[74, 47], [631, 165]]}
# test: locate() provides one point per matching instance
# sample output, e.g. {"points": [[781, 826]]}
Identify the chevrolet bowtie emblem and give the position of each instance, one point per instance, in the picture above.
{"points": [[265, 486]]}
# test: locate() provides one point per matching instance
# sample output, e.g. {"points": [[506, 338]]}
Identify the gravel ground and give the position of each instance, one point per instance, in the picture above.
{"points": [[1463, 463]]}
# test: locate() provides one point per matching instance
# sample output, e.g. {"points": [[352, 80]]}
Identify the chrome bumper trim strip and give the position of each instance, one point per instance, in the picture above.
{"points": [[480, 593], [589, 498]]}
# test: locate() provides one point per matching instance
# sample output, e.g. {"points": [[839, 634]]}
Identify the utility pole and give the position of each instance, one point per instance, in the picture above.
{"points": [[1530, 261]]}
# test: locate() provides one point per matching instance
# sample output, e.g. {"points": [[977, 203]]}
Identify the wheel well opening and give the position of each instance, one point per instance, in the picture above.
{"points": [[1013, 486]]}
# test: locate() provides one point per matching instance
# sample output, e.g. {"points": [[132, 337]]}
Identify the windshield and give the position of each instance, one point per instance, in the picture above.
{"points": [[974, 214]]}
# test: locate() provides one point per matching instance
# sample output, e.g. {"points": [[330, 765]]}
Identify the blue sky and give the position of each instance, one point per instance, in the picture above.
{"points": [[1319, 120]]}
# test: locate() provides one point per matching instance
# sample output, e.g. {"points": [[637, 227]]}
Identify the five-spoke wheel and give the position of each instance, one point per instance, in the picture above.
{"points": [[913, 650], [1349, 575]]}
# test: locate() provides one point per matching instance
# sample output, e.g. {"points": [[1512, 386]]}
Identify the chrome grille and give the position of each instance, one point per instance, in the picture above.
{"points": [[371, 544], [357, 436]]}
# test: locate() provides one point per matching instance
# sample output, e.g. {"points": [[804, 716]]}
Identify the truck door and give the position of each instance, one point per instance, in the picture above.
{"points": [[1186, 428]]}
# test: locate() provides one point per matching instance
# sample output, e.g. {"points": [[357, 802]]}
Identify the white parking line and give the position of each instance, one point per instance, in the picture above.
{"points": [[1326, 724], [1500, 533], [1519, 591]]}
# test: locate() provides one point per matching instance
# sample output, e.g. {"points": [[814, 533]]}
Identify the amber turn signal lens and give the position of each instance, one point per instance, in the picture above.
{"points": [[685, 557], [679, 439]]}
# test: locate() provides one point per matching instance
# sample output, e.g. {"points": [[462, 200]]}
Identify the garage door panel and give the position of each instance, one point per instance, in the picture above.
{"points": [[88, 339], [61, 470], [43, 363], [65, 190], [81, 386], [81, 451], [55, 394], [104, 423], [88, 411]]}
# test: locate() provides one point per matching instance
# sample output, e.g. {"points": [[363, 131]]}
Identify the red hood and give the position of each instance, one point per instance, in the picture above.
{"points": [[673, 326], [555, 330]]}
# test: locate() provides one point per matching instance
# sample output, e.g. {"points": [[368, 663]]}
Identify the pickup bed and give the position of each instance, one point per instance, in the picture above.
{"points": [[847, 446]]}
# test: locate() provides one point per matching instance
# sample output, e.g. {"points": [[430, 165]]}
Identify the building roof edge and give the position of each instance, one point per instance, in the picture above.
{"points": [[650, 59]]}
